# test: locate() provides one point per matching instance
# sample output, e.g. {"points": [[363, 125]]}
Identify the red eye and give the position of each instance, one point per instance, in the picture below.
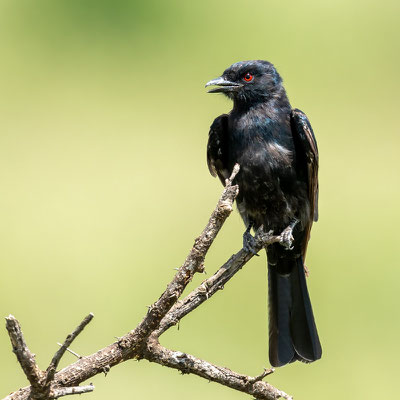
{"points": [[248, 77]]}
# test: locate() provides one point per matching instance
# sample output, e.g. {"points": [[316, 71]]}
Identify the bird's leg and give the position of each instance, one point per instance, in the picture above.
{"points": [[287, 235], [248, 239]]}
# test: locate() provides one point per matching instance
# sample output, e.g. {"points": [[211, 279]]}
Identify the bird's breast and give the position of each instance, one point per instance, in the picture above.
{"points": [[258, 150], [265, 152]]}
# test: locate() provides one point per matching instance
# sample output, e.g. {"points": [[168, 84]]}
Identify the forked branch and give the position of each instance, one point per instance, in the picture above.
{"points": [[143, 341], [43, 386]]}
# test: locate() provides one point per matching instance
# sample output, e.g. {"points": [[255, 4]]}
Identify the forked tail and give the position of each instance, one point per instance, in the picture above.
{"points": [[292, 331]]}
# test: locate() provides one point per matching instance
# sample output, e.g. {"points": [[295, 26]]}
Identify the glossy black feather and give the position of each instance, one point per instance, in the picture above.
{"points": [[217, 149], [305, 340], [278, 183], [292, 331], [281, 348], [303, 136]]}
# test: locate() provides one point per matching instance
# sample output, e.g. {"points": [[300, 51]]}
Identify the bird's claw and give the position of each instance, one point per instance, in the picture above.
{"points": [[249, 243], [286, 238]]}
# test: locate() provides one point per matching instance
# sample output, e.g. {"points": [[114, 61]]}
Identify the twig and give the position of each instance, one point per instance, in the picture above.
{"points": [[71, 351], [69, 339], [42, 383], [266, 372], [25, 358], [66, 391]]}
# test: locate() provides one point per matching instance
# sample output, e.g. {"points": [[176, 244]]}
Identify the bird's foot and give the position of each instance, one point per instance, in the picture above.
{"points": [[249, 242], [286, 237]]}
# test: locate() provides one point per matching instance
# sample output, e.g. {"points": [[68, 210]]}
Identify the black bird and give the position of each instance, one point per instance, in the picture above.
{"points": [[278, 189]]}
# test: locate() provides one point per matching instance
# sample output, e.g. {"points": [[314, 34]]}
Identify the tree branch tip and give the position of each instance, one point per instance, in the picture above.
{"points": [[235, 171], [51, 370], [90, 315], [87, 319], [66, 391], [266, 372], [12, 321]]}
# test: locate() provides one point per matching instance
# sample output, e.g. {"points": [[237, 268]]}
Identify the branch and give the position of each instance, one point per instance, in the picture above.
{"points": [[71, 390], [193, 263], [42, 383], [51, 370], [216, 282], [25, 358], [142, 342], [189, 364]]}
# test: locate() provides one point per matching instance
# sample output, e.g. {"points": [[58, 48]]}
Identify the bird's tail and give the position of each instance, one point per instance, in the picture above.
{"points": [[292, 331]]}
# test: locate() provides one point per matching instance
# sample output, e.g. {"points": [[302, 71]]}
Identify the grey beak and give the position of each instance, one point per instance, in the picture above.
{"points": [[223, 85]]}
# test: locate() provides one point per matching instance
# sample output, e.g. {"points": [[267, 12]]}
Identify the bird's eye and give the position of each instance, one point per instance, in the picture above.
{"points": [[248, 77]]}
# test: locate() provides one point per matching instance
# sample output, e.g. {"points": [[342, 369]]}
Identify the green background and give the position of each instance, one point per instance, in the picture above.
{"points": [[104, 186]]}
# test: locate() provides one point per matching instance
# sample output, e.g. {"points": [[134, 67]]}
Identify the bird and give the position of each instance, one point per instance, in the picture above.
{"points": [[278, 191]]}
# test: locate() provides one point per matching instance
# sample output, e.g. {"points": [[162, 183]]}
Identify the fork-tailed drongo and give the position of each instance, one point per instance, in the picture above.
{"points": [[278, 189]]}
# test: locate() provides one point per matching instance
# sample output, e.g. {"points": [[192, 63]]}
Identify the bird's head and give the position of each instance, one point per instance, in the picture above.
{"points": [[248, 82]]}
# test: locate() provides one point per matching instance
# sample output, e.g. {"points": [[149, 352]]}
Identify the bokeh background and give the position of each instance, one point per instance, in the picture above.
{"points": [[104, 121]]}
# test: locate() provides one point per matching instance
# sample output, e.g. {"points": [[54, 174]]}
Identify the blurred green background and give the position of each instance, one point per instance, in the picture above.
{"points": [[104, 121]]}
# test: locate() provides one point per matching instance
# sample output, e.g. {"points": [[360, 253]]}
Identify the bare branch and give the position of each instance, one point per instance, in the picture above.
{"points": [[192, 264], [42, 387], [66, 391], [142, 342], [216, 282], [266, 372], [188, 364], [69, 339], [24, 355], [20, 394]]}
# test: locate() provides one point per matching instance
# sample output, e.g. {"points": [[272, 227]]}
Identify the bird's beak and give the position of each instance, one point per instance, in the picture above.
{"points": [[223, 85]]}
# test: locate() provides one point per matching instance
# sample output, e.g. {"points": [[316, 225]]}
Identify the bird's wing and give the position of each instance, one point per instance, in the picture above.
{"points": [[217, 148], [304, 139]]}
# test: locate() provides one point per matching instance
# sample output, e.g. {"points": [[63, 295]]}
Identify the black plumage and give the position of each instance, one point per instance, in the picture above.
{"points": [[278, 188]]}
